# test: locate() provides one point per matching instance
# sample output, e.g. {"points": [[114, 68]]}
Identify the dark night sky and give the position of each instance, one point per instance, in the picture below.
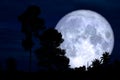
{"points": [[52, 11]]}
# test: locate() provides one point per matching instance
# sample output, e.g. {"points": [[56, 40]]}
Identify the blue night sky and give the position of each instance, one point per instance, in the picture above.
{"points": [[52, 12]]}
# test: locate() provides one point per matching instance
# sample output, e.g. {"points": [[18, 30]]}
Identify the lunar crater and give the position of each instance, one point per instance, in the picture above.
{"points": [[90, 30], [107, 34], [95, 39]]}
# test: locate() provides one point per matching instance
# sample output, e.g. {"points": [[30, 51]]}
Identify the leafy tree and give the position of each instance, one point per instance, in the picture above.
{"points": [[96, 63], [31, 25], [105, 58], [49, 55]]}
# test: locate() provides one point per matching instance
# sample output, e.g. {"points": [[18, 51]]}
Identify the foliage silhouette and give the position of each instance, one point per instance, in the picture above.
{"points": [[105, 58], [49, 55], [30, 21], [81, 69], [11, 65], [96, 63], [31, 25]]}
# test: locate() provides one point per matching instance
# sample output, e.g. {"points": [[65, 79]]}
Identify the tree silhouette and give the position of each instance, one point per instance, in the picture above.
{"points": [[31, 25], [105, 58], [11, 65], [96, 63], [49, 55], [81, 69]]}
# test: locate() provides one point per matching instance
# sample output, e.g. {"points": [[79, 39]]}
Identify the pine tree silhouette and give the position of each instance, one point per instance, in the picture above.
{"points": [[31, 25]]}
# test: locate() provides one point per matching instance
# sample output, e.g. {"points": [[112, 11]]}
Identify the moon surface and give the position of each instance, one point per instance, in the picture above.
{"points": [[87, 35]]}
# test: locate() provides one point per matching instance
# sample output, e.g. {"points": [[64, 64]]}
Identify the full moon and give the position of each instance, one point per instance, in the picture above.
{"points": [[87, 35]]}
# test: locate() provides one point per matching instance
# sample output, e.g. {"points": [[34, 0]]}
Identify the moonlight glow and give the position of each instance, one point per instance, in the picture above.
{"points": [[86, 35]]}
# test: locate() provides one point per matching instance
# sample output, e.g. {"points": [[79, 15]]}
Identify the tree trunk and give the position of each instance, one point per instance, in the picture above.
{"points": [[30, 60]]}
